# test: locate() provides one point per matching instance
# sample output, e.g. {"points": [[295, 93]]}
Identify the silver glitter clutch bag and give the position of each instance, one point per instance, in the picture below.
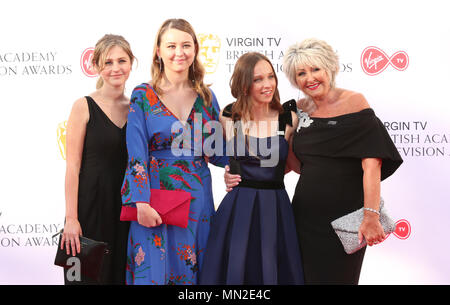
{"points": [[346, 228]]}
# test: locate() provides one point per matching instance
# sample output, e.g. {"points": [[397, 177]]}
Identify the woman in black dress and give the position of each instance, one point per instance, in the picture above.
{"points": [[342, 152], [96, 162]]}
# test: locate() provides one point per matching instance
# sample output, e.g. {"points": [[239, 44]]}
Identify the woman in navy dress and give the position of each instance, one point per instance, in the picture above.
{"points": [[174, 104], [252, 238]]}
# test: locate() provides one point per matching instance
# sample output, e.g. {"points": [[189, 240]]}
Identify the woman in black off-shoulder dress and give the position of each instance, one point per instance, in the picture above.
{"points": [[331, 185], [344, 152]]}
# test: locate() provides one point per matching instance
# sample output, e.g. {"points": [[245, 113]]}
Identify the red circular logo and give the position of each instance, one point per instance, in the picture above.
{"points": [[86, 62], [402, 229], [374, 60]]}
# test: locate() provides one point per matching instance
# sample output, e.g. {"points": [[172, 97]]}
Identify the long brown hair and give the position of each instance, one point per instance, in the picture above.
{"points": [[103, 46], [241, 82], [196, 70]]}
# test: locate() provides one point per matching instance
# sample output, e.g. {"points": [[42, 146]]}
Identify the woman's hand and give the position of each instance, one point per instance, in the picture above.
{"points": [[230, 179], [307, 105], [371, 229], [71, 236], [147, 216]]}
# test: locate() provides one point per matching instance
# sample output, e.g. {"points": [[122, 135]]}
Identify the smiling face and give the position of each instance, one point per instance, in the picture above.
{"points": [[264, 83], [116, 67], [176, 50], [313, 81]]}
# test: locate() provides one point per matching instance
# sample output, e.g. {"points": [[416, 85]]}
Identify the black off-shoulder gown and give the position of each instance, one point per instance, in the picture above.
{"points": [[331, 185]]}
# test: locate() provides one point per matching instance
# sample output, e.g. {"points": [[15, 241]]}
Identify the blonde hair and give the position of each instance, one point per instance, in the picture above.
{"points": [[241, 82], [314, 53], [196, 70], [103, 46]]}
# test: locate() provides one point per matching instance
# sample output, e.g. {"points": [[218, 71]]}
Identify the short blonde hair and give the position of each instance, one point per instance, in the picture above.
{"points": [[314, 53]]}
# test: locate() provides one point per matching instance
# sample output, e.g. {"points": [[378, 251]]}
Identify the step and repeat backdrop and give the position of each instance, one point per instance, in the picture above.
{"points": [[394, 52]]}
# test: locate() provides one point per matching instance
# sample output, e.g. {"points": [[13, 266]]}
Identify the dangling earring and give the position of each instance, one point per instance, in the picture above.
{"points": [[193, 71], [160, 63]]}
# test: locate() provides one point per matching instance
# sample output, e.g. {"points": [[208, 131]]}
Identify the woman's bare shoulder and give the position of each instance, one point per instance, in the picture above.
{"points": [[355, 101], [80, 110]]}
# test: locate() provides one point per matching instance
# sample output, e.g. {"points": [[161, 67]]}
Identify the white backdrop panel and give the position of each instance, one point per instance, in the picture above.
{"points": [[41, 43]]}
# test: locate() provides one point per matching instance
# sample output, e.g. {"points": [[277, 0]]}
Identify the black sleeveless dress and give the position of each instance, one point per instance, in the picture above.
{"points": [[102, 169], [252, 238], [331, 185]]}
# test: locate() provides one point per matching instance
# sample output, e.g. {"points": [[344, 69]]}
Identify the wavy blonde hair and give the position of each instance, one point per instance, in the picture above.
{"points": [[196, 70], [103, 46]]}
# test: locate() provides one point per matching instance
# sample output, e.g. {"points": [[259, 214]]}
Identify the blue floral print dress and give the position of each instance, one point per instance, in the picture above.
{"points": [[166, 254]]}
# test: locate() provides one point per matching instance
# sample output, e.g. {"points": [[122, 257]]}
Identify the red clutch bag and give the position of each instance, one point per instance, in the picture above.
{"points": [[172, 206]]}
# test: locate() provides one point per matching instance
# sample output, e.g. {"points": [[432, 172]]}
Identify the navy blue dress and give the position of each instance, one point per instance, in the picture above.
{"points": [[253, 237]]}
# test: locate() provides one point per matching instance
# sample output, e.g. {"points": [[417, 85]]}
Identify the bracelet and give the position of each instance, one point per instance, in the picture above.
{"points": [[372, 210]]}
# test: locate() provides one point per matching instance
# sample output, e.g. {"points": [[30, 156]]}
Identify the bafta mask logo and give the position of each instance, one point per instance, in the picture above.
{"points": [[86, 63], [209, 51], [61, 138]]}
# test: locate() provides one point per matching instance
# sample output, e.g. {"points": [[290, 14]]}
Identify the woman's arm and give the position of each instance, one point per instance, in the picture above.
{"points": [[292, 163], [137, 179], [371, 228], [231, 180], [218, 156], [75, 134]]}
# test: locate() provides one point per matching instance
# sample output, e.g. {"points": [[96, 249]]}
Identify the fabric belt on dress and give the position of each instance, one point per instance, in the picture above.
{"points": [[168, 154], [267, 185]]}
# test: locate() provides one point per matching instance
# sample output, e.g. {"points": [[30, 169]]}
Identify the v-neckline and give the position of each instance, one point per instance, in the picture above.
{"points": [[107, 117], [171, 112]]}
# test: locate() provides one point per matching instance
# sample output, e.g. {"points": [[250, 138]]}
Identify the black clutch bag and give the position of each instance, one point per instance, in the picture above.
{"points": [[90, 257]]}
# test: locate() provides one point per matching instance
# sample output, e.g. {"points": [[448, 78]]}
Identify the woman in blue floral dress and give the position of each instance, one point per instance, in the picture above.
{"points": [[175, 105]]}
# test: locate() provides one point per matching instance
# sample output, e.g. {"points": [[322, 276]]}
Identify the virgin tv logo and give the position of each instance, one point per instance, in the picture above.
{"points": [[374, 60], [86, 63], [402, 229]]}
